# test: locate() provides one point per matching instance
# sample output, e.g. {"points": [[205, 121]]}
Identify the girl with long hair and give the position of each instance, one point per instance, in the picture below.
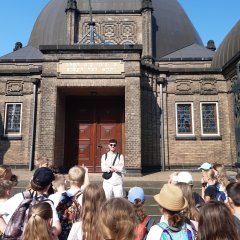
{"points": [[85, 229], [39, 225], [191, 211], [117, 220], [216, 222]]}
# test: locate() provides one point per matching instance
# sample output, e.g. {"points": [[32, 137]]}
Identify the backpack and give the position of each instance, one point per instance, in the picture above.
{"points": [[144, 227], [68, 210], [19, 218], [220, 196], [170, 233]]}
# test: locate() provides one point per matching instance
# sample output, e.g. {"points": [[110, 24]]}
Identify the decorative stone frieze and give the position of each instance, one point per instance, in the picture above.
{"points": [[184, 87], [14, 88], [208, 87]]}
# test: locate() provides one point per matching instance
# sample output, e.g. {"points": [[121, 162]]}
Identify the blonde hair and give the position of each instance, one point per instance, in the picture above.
{"points": [[191, 211], [117, 220], [4, 186], [41, 161], [93, 198], [59, 180], [38, 226], [211, 174], [221, 174], [76, 175]]}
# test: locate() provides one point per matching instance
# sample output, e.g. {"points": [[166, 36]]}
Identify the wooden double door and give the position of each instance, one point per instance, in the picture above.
{"points": [[90, 123]]}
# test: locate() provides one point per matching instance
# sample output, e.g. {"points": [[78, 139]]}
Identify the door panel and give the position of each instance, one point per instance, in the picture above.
{"points": [[91, 122]]}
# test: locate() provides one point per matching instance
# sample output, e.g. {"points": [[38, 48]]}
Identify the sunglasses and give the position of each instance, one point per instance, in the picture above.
{"points": [[113, 144]]}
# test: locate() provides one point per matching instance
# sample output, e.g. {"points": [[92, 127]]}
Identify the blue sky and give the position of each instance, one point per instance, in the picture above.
{"points": [[213, 19]]}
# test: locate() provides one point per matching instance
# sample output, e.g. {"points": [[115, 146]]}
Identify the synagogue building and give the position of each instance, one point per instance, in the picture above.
{"points": [[133, 70]]}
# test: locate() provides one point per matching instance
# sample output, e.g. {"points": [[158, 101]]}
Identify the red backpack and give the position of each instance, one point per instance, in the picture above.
{"points": [[143, 228]]}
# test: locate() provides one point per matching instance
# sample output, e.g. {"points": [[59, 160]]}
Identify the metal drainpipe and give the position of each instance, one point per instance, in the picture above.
{"points": [[34, 113], [161, 82]]}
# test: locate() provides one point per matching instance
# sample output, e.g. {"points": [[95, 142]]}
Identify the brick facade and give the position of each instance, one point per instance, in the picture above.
{"points": [[144, 145]]}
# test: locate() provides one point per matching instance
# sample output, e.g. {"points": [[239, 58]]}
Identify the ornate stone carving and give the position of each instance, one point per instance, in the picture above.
{"points": [[115, 32], [14, 88], [127, 32], [208, 87], [183, 87]]}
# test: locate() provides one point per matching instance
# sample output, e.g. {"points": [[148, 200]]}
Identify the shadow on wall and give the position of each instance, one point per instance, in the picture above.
{"points": [[151, 136], [4, 142]]}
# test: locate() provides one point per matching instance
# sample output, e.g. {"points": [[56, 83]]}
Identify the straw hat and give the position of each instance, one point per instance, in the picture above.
{"points": [[171, 198]]}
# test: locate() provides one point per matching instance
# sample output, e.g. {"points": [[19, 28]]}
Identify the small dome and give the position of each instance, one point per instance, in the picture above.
{"points": [[228, 48], [172, 29]]}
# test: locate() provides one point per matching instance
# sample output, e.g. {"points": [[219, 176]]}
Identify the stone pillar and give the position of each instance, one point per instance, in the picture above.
{"points": [[147, 10], [47, 120], [133, 125], [71, 15]]}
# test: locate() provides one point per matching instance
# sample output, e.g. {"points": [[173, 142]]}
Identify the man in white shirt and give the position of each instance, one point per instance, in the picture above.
{"points": [[113, 162]]}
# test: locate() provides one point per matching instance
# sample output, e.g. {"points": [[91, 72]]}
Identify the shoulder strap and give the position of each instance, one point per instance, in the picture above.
{"points": [[105, 156], [77, 194], [150, 223], [27, 194], [145, 221], [115, 159], [162, 225]]}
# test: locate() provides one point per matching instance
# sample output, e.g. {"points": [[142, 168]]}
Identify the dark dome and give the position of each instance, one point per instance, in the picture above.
{"points": [[172, 28], [228, 48]]}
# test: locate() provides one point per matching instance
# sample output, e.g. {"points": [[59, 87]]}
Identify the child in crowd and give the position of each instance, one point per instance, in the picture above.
{"points": [[93, 199], [39, 225], [78, 180], [186, 178], [5, 172], [117, 220], [233, 191], [41, 181], [221, 175], [5, 190], [14, 180], [173, 221], [216, 222], [191, 211], [59, 186], [42, 162], [137, 198]]}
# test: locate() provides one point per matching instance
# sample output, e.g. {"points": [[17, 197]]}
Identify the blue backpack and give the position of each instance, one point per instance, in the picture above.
{"points": [[221, 196], [170, 233]]}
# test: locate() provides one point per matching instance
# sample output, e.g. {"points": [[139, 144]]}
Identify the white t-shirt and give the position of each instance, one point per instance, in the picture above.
{"points": [[76, 231], [156, 231], [116, 178], [9, 207]]}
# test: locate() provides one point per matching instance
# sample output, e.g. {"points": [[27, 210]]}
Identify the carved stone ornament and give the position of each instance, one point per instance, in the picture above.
{"points": [[14, 88], [208, 87], [114, 32], [184, 87]]}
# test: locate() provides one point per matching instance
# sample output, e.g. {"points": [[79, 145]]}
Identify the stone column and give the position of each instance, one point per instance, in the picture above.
{"points": [[71, 15], [147, 10]]}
